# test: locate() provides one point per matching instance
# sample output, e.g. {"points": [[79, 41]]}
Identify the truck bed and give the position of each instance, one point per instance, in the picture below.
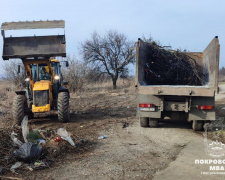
{"points": [[208, 60]]}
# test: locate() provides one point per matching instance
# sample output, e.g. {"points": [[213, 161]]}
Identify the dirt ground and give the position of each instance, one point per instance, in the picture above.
{"points": [[127, 152]]}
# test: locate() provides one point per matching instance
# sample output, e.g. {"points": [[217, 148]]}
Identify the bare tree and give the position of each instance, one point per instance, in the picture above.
{"points": [[12, 74], [109, 54], [75, 74]]}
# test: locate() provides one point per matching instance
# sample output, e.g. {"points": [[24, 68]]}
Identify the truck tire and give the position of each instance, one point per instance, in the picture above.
{"points": [[18, 109], [154, 123], [197, 125], [144, 121], [63, 107]]}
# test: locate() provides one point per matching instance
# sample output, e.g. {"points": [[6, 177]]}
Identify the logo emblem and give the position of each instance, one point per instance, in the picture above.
{"points": [[213, 138]]}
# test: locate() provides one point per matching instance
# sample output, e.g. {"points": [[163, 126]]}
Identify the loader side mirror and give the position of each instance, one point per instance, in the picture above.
{"points": [[18, 70], [67, 64]]}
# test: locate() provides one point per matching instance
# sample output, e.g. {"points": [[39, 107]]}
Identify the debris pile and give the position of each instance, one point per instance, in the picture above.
{"points": [[23, 149], [167, 67]]}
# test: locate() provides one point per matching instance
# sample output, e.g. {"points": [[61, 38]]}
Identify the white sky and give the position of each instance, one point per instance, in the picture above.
{"points": [[185, 24]]}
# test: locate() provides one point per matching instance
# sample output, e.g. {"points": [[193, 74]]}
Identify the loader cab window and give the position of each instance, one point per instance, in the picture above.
{"points": [[55, 66], [57, 70], [43, 72]]}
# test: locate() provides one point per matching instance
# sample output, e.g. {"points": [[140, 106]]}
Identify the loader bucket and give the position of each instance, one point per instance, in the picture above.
{"points": [[33, 46]]}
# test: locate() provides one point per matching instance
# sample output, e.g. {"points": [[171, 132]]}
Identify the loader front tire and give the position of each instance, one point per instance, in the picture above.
{"points": [[18, 109], [63, 107], [144, 121]]}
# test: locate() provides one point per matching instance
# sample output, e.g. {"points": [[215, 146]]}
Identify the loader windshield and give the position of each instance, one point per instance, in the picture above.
{"points": [[43, 72]]}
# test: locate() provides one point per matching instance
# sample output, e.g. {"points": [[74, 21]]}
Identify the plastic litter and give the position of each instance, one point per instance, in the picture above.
{"points": [[15, 166], [41, 142], [64, 135], [25, 129], [39, 164], [15, 140], [83, 141], [125, 124], [102, 137], [57, 139], [28, 152]]}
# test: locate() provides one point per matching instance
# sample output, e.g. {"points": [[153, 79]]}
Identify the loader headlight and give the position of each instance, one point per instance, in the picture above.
{"points": [[27, 79], [56, 77]]}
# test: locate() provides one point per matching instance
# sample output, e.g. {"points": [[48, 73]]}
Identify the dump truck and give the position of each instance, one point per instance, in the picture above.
{"points": [[45, 90], [160, 100]]}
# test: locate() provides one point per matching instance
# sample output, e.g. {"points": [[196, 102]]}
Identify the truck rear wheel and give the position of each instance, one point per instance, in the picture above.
{"points": [[18, 109], [144, 121], [197, 125], [154, 123], [63, 107]]}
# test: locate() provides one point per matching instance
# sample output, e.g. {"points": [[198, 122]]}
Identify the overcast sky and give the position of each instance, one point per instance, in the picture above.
{"points": [[185, 24]]}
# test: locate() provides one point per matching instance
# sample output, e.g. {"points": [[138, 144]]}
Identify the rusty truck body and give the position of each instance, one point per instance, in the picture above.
{"points": [[193, 103]]}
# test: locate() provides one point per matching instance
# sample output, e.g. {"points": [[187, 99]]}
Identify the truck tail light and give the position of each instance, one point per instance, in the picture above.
{"points": [[204, 107], [146, 107]]}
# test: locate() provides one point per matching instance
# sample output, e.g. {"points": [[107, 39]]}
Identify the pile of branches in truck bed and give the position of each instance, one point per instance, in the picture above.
{"points": [[166, 67]]}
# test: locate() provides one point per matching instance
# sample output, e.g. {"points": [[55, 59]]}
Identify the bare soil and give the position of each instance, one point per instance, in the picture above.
{"points": [[127, 152]]}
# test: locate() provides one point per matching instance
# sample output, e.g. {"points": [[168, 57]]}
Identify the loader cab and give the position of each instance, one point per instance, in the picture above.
{"points": [[40, 72]]}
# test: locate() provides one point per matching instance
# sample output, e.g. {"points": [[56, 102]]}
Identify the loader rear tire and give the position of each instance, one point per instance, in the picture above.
{"points": [[144, 121], [63, 107], [18, 109], [197, 125], [154, 123]]}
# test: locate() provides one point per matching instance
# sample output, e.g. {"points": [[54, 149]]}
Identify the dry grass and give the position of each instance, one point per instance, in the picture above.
{"points": [[94, 89], [123, 85], [7, 92]]}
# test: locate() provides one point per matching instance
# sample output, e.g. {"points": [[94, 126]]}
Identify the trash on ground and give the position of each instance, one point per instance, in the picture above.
{"points": [[1, 168], [64, 135], [125, 124], [83, 140], [52, 142], [41, 142], [15, 140], [28, 152], [42, 135], [30, 168], [25, 129], [15, 166], [102, 137], [34, 136], [39, 164], [57, 139]]}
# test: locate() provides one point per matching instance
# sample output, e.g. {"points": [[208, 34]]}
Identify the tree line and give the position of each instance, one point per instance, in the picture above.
{"points": [[103, 57]]}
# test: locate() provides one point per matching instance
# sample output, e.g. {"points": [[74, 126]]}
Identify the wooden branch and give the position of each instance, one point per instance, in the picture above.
{"points": [[5, 177]]}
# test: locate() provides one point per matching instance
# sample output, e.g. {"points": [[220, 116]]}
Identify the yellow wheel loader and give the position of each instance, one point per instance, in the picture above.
{"points": [[45, 89]]}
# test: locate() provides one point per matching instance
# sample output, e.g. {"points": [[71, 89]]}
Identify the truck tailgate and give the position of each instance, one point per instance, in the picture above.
{"points": [[178, 90]]}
